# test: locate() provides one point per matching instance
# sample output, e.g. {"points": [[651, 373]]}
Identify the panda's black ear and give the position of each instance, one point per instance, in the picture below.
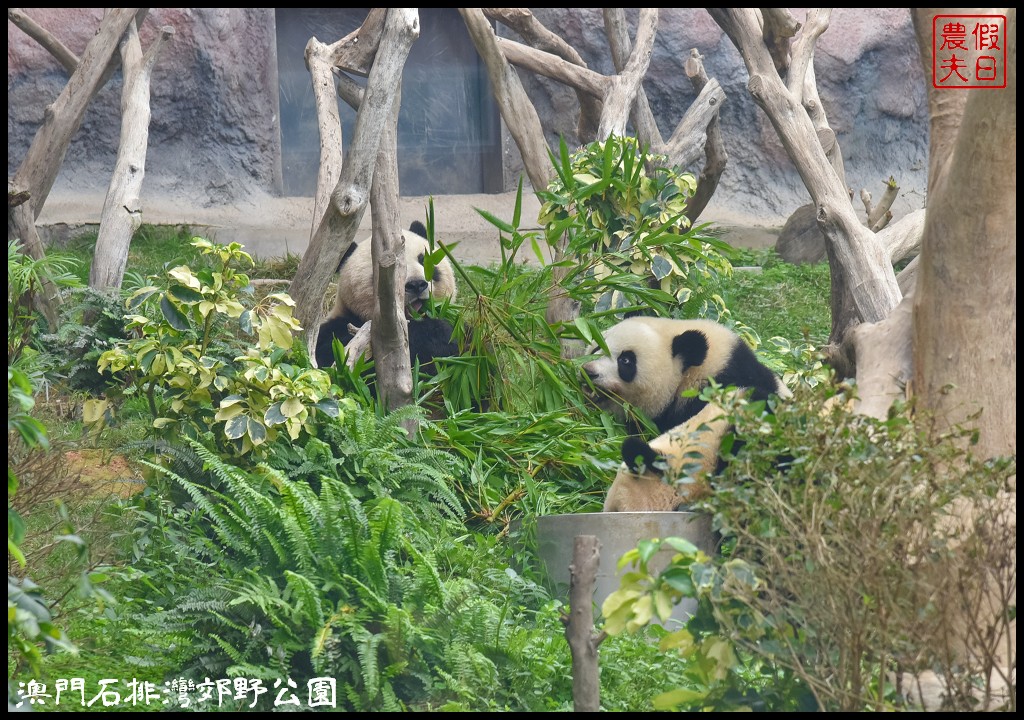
{"points": [[636, 454], [692, 347], [418, 228]]}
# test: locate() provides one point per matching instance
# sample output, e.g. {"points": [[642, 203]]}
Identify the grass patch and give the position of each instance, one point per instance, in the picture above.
{"points": [[154, 248], [791, 301]]}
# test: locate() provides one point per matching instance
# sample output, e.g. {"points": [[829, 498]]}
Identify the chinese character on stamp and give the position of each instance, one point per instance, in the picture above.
{"points": [[969, 51]]}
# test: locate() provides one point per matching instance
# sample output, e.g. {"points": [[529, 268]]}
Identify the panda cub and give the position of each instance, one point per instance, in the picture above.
{"points": [[648, 479], [428, 337], [652, 361]]}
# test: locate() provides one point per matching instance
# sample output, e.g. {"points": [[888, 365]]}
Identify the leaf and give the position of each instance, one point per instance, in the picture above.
{"points": [[236, 427], [94, 410], [661, 267], [330, 407], [273, 415], [674, 698], [291, 407], [140, 296], [257, 433], [175, 318], [184, 294]]}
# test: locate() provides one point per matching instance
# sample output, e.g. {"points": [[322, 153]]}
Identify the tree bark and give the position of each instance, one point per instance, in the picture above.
{"points": [[351, 194], [122, 211], [626, 84], [965, 308], [859, 256], [644, 123], [579, 626], [715, 155], [526, 24], [516, 109], [61, 120], [42, 36], [353, 53], [389, 334]]}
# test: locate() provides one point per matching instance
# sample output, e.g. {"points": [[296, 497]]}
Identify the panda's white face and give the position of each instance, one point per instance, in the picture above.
{"points": [[652, 361], [640, 369], [355, 279]]}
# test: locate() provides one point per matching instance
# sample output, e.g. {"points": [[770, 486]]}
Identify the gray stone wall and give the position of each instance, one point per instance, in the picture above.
{"points": [[215, 135], [869, 78]]}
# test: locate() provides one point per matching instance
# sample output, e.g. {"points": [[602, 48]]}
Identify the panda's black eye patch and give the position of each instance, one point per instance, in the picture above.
{"points": [[627, 365], [419, 259]]}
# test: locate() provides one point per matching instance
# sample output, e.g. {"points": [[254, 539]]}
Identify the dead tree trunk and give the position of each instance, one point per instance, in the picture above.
{"points": [[389, 334], [122, 211], [862, 261], [579, 624], [351, 194], [618, 96], [38, 170]]}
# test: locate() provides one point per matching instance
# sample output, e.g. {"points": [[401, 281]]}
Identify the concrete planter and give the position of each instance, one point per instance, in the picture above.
{"points": [[618, 532]]}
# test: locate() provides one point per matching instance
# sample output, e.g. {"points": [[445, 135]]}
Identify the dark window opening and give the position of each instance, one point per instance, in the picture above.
{"points": [[449, 139]]}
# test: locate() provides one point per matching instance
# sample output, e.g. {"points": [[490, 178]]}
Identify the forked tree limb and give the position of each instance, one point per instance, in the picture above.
{"points": [[39, 168], [624, 86], [351, 193], [617, 31], [530, 29], [516, 109], [859, 256], [778, 26], [689, 139]]}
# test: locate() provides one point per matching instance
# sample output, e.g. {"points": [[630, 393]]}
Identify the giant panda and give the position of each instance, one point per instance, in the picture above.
{"points": [[429, 338], [673, 469], [651, 361]]}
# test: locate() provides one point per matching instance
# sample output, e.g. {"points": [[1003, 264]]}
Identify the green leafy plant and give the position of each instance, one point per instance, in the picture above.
{"points": [[859, 555], [30, 624], [191, 355], [25, 277], [621, 211]]}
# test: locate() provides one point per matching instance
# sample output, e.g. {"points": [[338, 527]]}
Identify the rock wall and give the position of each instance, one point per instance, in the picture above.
{"points": [[215, 134], [869, 77]]}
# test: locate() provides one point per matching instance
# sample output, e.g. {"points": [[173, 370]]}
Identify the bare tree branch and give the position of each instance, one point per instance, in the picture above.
{"points": [[39, 168], [779, 27], [351, 194], [715, 154], [122, 207], [625, 85], [619, 43], [858, 254], [43, 36], [579, 626], [526, 24], [62, 119], [389, 335], [690, 137], [888, 197], [516, 109], [356, 51], [585, 81]]}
